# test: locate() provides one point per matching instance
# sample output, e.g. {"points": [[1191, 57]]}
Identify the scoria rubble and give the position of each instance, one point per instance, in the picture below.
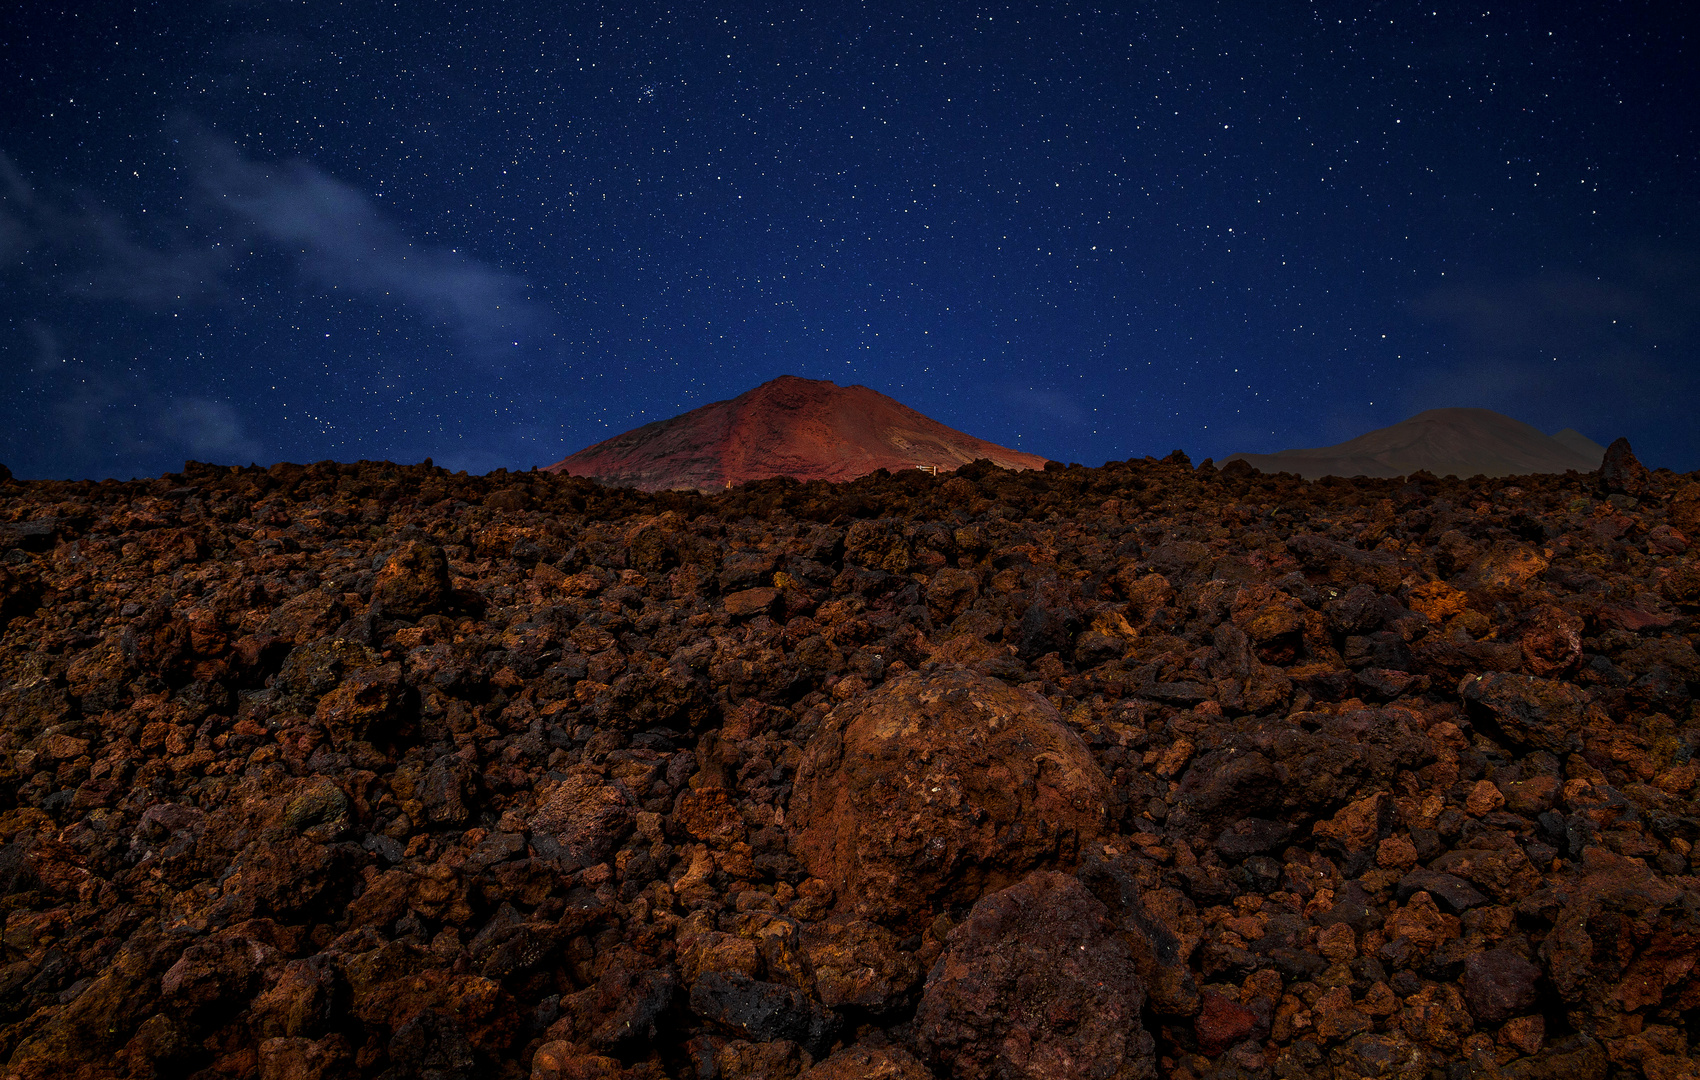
{"points": [[366, 770]]}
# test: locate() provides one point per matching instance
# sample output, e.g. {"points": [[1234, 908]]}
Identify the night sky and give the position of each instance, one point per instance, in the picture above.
{"points": [[492, 235]]}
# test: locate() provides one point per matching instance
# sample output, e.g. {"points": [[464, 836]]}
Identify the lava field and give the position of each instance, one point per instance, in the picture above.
{"points": [[1148, 770]]}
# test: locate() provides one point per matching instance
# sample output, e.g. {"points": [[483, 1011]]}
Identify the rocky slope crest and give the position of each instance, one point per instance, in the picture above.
{"points": [[1145, 770]]}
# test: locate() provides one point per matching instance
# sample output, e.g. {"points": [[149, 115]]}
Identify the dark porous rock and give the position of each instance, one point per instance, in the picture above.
{"points": [[1621, 473], [1539, 714], [762, 1011], [858, 963], [1577, 1057], [1046, 628], [1143, 925], [1034, 984], [1223, 1022], [413, 582], [320, 771], [1581, 957], [581, 819], [1274, 768], [1499, 984], [1453, 893], [1352, 907], [446, 790], [936, 788], [869, 1063], [628, 1004]]}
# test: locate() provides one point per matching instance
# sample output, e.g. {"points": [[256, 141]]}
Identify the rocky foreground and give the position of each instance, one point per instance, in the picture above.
{"points": [[367, 770]]}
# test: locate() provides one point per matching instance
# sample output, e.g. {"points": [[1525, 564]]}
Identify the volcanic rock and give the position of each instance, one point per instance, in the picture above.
{"points": [[1456, 442], [633, 786], [763, 1011], [413, 582], [807, 429], [1620, 472], [1499, 984], [869, 1063], [934, 789], [1033, 984], [1529, 711]]}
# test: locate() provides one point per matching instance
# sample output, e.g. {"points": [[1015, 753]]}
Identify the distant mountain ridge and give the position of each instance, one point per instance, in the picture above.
{"points": [[1580, 443], [1458, 442], [808, 429]]}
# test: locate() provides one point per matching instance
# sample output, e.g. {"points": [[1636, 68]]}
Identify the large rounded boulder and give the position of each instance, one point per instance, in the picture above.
{"points": [[936, 789]]}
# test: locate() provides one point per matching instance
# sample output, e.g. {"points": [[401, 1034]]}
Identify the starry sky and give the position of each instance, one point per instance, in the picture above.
{"points": [[492, 235]]}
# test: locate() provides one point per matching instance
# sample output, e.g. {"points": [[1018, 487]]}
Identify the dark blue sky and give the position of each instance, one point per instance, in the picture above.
{"points": [[493, 235]]}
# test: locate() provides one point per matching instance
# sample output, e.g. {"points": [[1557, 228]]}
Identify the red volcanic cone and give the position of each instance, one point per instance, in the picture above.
{"points": [[808, 429]]}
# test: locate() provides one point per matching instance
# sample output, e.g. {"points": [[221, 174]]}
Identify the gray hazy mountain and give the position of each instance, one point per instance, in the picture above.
{"points": [[1581, 444], [1459, 442]]}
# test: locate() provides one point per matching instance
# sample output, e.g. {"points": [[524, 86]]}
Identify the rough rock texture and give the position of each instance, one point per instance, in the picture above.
{"points": [[366, 770], [1035, 984], [869, 1063], [933, 790], [807, 429]]}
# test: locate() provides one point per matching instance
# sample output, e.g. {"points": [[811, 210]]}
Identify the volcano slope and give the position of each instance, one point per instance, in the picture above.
{"points": [[806, 429], [1143, 770]]}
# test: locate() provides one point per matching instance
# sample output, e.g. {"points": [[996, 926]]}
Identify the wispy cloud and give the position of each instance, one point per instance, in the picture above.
{"points": [[1051, 404], [341, 238], [337, 236], [15, 205], [121, 267], [88, 249], [210, 429], [109, 423], [48, 354]]}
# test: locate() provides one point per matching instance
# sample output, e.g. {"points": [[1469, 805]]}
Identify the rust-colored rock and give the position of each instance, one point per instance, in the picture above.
{"points": [[1499, 984], [1371, 778], [1539, 713], [581, 819], [869, 1063], [860, 964], [562, 1060], [1222, 1022], [413, 582], [938, 789], [1033, 984]]}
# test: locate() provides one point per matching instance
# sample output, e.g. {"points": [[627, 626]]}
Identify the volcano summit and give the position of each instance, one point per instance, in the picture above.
{"points": [[808, 429]]}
